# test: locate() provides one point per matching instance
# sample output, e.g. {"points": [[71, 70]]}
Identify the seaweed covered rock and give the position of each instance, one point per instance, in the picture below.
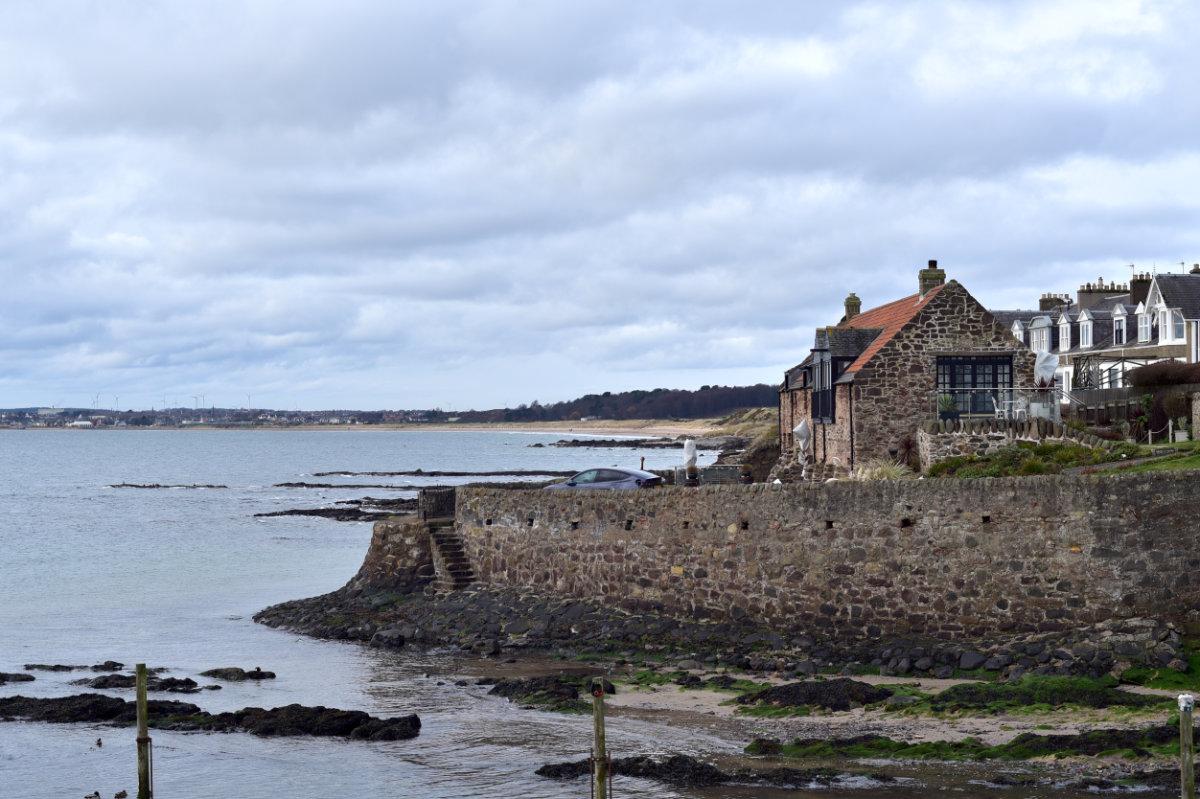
{"points": [[290, 720], [238, 674], [682, 771], [839, 694], [559, 692], [6, 677]]}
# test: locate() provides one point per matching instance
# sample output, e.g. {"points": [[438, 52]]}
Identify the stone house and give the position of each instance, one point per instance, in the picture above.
{"points": [[875, 376]]}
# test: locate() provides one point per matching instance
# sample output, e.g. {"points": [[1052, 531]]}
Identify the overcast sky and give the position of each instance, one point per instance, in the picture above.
{"points": [[385, 204]]}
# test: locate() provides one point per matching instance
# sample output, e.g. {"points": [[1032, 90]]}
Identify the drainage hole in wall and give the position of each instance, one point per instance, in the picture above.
{"points": [[686, 525], [829, 524], [986, 519], [629, 524], [906, 522], [745, 525], [487, 523], [574, 525], [531, 521]]}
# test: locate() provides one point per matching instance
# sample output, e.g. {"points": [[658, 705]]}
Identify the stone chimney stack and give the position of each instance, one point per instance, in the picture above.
{"points": [[1051, 302], [1139, 288], [853, 306], [931, 277], [1195, 269], [1091, 294]]}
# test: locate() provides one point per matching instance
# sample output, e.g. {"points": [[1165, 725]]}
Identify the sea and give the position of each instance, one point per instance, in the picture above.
{"points": [[172, 576]]}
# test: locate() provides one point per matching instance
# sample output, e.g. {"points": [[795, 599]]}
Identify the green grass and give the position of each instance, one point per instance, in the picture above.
{"points": [[1027, 458], [1169, 679], [647, 678], [1173, 463], [1032, 695]]}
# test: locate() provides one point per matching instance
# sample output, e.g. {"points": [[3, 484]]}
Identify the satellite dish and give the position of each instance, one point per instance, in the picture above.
{"points": [[1045, 368], [803, 437], [689, 454]]}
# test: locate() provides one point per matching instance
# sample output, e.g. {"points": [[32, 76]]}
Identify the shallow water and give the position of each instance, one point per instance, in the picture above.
{"points": [[172, 578]]}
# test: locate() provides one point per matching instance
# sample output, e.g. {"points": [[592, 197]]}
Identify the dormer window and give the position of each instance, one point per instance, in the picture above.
{"points": [[1039, 339], [1064, 336], [1018, 330], [1143, 327], [1085, 334], [1119, 331]]}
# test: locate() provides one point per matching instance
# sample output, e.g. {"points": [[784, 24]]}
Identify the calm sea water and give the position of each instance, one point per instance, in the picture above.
{"points": [[172, 578]]}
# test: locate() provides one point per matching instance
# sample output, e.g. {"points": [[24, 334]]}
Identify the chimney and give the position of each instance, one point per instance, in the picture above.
{"points": [[1195, 269], [931, 277], [853, 306], [1051, 302], [1139, 288], [1091, 294]]}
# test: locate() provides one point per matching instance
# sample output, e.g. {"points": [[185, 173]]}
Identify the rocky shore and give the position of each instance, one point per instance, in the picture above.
{"points": [[495, 620]]}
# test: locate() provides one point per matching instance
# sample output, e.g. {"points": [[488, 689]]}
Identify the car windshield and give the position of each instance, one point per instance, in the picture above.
{"points": [[585, 477]]}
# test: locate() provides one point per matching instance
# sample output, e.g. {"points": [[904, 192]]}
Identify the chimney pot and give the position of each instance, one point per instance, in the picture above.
{"points": [[853, 306]]}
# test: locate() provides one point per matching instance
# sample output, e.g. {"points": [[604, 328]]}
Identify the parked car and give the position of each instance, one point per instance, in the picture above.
{"points": [[608, 480]]}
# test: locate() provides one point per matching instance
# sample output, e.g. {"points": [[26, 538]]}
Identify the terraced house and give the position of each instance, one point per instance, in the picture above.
{"points": [[871, 379], [1109, 328]]}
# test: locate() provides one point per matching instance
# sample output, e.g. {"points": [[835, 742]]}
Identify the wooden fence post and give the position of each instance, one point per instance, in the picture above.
{"points": [[145, 790], [600, 776], [1187, 775]]}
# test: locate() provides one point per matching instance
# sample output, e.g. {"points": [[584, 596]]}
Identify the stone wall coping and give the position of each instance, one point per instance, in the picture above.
{"points": [[939, 485]]}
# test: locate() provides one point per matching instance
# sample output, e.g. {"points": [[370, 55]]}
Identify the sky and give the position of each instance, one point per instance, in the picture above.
{"points": [[297, 204]]}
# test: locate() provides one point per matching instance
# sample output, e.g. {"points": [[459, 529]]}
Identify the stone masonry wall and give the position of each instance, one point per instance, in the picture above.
{"points": [[937, 441], [893, 394], [857, 559], [399, 558]]}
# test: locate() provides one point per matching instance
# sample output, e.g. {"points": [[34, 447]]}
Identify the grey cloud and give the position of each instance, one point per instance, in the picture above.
{"points": [[403, 204]]}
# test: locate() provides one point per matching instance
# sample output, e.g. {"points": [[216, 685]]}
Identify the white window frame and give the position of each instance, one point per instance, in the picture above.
{"points": [[1178, 327], [1119, 331], [1039, 339], [1144, 323], [1085, 334], [1064, 336]]}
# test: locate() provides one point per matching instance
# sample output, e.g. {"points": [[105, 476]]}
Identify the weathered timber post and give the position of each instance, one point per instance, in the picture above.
{"points": [[145, 789], [1187, 775], [600, 775]]}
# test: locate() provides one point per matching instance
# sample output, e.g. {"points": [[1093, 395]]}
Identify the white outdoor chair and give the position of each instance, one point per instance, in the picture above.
{"points": [[1020, 411]]}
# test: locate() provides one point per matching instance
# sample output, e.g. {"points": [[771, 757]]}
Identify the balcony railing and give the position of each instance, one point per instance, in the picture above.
{"points": [[1015, 404]]}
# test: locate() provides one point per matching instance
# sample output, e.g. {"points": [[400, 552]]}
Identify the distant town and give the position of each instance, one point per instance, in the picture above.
{"points": [[659, 403]]}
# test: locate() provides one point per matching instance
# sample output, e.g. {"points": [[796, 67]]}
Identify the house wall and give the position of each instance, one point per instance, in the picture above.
{"points": [[894, 392], [854, 558]]}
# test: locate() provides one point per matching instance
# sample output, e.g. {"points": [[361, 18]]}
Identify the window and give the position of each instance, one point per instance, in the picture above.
{"points": [[1164, 331], [1143, 327], [826, 371], [1064, 337], [1039, 339], [1085, 334], [1119, 330], [1177, 331], [975, 383]]}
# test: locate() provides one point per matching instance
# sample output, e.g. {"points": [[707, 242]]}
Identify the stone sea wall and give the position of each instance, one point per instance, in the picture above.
{"points": [[857, 559], [399, 558]]}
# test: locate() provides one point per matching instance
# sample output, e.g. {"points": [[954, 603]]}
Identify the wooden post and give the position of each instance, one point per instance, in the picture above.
{"points": [[1187, 775], [145, 791], [599, 751]]}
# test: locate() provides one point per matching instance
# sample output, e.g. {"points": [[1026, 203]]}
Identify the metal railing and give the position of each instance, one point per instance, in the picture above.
{"points": [[1014, 404]]}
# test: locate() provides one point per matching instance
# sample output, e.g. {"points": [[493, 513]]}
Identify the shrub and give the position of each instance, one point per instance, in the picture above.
{"points": [[881, 470], [1164, 373]]}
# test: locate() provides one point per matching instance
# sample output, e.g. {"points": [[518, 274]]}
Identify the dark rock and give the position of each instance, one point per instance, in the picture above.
{"points": [[281, 721], [971, 660], [108, 665], [6, 677], [51, 667], [839, 694], [237, 674]]}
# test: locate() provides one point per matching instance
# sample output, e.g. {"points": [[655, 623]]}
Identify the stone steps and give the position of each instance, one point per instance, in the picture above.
{"points": [[452, 567]]}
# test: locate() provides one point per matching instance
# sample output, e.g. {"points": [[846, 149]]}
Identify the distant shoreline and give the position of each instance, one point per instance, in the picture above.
{"points": [[636, 428]]}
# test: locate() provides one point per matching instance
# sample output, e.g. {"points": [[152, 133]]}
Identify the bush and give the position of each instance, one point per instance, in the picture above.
{"points": [[1164, 373]]}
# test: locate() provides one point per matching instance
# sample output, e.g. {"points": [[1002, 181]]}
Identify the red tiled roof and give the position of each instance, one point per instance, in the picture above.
{"points": [[890, 318]]}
